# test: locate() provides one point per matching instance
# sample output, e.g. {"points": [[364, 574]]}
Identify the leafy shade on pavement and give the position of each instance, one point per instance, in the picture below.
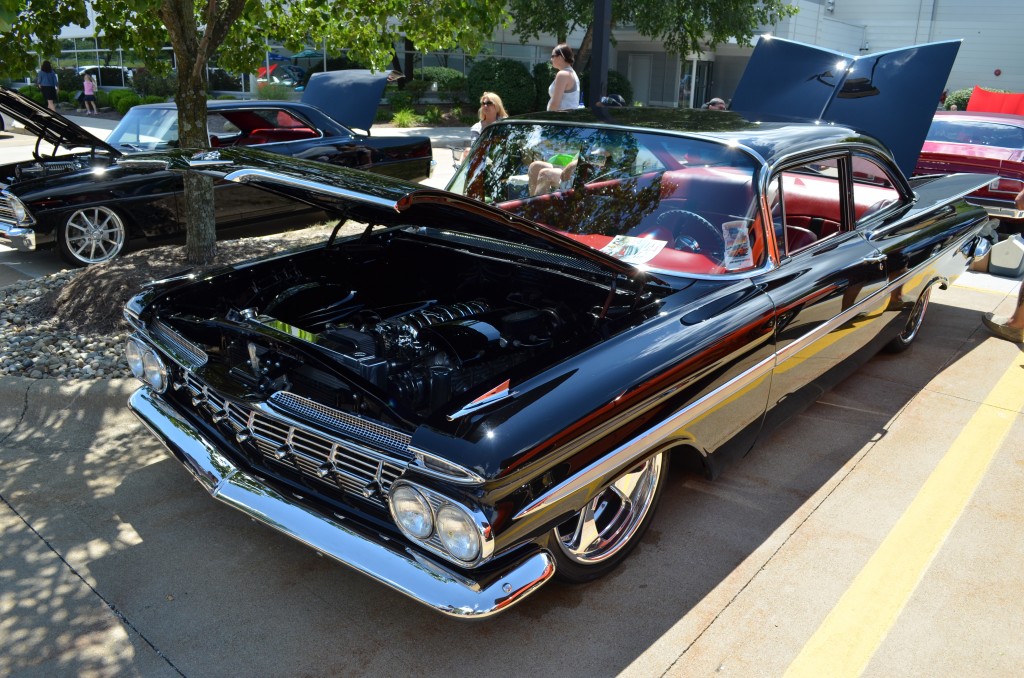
{"points": [[93, 299]]}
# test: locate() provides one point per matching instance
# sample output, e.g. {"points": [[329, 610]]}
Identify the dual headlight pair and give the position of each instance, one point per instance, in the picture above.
{"points": [[146, 364], [440, 525]]}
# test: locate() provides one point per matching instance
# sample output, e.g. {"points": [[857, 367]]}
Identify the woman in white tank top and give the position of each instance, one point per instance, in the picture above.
{"points": [[564, 92]]}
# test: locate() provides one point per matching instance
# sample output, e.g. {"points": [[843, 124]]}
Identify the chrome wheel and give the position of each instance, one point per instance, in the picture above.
{"points": [[906, 337], [611, 520], [92, 235]]}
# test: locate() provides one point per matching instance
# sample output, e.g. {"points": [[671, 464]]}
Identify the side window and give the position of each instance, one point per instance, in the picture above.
{"points": [[808, 205], [874, 190]]}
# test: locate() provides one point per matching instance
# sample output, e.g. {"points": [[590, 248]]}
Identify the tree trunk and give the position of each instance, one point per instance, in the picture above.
{"points": [[583, 53], [201, 238]]}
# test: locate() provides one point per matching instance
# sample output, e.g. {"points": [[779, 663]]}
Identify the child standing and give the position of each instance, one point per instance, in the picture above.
{"points": [[89, 95]]}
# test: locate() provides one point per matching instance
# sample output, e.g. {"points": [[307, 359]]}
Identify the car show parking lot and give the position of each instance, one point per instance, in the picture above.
{"points": [[877, 533]]}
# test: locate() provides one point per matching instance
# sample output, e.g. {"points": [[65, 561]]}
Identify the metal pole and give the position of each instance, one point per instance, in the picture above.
{"points": [[600, 55]]}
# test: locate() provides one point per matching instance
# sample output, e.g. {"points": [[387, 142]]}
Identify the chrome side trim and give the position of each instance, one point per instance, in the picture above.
{"points": [[385, 560], [246, 176], [648, 441]]}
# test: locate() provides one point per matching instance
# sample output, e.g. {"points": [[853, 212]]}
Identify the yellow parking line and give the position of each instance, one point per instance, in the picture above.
{"points": [[851, 633]]}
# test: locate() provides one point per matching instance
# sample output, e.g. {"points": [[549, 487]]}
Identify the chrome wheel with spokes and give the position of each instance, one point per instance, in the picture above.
{"points": [[905, 338], [608, 527], [91, 236]]}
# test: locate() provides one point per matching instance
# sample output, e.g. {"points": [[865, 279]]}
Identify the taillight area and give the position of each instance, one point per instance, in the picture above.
{"points": [[1004, 185]]}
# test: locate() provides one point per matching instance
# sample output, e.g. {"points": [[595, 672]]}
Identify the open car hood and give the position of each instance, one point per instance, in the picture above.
{"points": [[380, 200], [48, 125], [889, 95], [351, 96]]}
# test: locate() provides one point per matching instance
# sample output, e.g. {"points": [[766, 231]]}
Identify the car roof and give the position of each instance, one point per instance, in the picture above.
{"points": [[981, 116], [770, 141]]}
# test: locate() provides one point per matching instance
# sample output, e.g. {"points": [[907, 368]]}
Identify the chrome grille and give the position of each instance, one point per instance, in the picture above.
{"points": [[6, 210], [373, 432], [185, 350], [339, 463]]}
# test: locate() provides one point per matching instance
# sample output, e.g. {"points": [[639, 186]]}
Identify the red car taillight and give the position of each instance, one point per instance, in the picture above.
{"points": [[1002, 185]]}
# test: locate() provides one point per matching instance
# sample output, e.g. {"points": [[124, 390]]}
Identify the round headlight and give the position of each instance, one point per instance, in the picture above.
{"points": [[133, 354], [458, 533], [412, 512], [154, 371]]}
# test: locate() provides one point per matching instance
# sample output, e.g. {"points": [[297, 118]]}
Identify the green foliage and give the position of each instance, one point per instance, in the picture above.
{"points": [[68, 96], [33, 93], [433, 115], [543, 74], [683, 27], [451, 84], [382, 115], [153, 99], [123, 103], [118, 94], [511, 80], [102, 99], [226, 97], [405, 118], [416, 89], [399, 99], [617, 84], [274, 92], [149, 83], [470, 118]]}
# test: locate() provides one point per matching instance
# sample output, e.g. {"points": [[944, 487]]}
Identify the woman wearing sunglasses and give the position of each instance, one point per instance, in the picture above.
{"points": [[491, 110], [564, 92]]}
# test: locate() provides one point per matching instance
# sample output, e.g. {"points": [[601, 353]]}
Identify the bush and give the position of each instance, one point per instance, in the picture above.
{"points": [[33, 93], [102, 99], [68, 80], [274, 92], [511, 80], [399, 99], [124, 103], [382, 115], [451, 84], [147, 83], [220, 80], [226, 97], [416, 89], [433, 115], [116, 95], [543, 74], [405, 118], [153, 99]]}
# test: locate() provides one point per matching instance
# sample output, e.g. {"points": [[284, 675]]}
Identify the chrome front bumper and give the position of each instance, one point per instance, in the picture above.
{"points": [[384, 559], [21, 239]]}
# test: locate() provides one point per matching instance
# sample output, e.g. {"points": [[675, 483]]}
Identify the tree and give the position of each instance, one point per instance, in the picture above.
{"points": [[237, 30], [683, 26]]}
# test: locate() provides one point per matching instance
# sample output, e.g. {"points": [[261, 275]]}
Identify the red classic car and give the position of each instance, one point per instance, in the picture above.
{"points": [[985, 143]]}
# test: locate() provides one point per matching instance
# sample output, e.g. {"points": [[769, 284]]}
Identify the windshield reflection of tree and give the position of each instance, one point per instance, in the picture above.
{"points": [[617, 182]]}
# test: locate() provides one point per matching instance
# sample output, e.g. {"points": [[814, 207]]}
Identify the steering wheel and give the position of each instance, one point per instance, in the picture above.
{"points": [[693, 233]]}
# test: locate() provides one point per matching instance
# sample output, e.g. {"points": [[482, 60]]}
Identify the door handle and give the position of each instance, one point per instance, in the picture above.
{"points": [[875, 259]]}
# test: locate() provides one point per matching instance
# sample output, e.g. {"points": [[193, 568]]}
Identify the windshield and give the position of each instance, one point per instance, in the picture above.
{"points": [[146, 129], [663, 202], [976, 132]]}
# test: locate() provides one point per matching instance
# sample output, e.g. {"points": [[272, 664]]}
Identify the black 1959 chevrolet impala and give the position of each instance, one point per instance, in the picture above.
{"points": [[484, 388]]}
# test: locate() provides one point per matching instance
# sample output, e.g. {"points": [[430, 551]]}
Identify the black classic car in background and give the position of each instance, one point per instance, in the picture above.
{"points": [[467, 399], [90, 205]]}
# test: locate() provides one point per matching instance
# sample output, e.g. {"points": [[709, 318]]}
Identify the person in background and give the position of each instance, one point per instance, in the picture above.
{"points": [[1012, 328], [491, 110], [715, 104], [564, 91], [89, 95], [47, 81]]}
